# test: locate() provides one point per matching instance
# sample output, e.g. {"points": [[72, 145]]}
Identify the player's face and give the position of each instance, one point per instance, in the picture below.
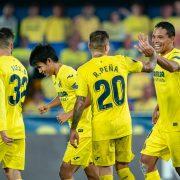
{"points": [[45, 69], [162, 43]]}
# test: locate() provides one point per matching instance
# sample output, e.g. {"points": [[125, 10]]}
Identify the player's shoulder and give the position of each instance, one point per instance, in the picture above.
{"points": [[176, 51], [86, 65], [6, 61], [68, 69], [175, 54], [119, 57]]}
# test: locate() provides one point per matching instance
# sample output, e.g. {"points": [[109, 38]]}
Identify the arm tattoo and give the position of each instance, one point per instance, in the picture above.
{"points": [[78, 110]]}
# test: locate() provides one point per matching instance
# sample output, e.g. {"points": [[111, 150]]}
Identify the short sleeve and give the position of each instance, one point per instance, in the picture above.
{"points": [[82, 83], [133, 65]]}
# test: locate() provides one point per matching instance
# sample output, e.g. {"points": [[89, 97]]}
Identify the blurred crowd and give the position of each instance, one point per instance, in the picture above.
{"points": [[69, 36]]}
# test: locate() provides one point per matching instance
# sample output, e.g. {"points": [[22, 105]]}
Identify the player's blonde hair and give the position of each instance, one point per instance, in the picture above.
{"points": [[98, 40]]}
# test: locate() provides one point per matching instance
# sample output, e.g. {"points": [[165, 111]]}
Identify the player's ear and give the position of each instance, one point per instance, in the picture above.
{"points": [[172, 38], [49, 60], [89, 45], [11, 46], [107, 47]]}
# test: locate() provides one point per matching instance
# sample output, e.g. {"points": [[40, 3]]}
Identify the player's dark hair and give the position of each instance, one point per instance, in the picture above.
{"points": [[168, 26], [98, 39], [6, 35], [41, 53]]}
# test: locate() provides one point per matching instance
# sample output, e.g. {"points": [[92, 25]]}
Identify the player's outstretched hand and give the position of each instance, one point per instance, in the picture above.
{"points": [[5, 138], [74, 138], [155, 116], [63, 117], [143, 45], [43, 109]]}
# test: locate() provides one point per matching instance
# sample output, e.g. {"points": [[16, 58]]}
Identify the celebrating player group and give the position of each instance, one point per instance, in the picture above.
{"points": [[95, 103]]}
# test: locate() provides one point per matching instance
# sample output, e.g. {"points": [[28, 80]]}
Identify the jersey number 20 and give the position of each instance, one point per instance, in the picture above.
{"points": [[108, 88]]}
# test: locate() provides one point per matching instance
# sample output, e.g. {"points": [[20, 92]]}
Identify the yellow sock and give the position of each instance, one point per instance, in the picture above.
{"points": [[154, 175], [106, 177], [125, 173]]}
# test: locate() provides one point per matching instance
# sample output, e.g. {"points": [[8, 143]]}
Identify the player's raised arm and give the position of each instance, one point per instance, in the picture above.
{"points": [[145, 48]]}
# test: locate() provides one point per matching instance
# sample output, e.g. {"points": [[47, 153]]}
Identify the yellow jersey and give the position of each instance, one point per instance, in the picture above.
{"points": [[73, 58], [13, 82], [65, 84], [33, 28], [167, 86], [135, 24], [106, 79], [91, 24], [56, 29]]}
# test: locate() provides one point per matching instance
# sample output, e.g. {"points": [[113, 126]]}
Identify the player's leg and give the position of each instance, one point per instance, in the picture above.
{"points": [[12, 174], [105, 173], [104, 158], [124, 156], [92, 172], [67, 170], [155, 147], [148, 166], [76, 157], [13, 161], [174, 148]]}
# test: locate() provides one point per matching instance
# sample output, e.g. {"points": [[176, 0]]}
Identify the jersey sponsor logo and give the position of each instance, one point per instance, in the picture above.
{"points": [[104, 69], [158, 74]]}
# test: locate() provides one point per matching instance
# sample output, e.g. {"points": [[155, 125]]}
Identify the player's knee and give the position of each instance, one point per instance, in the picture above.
{"points": [[65, 172], [145, 160], [178, 170], [105, 170], [92, 172]]}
